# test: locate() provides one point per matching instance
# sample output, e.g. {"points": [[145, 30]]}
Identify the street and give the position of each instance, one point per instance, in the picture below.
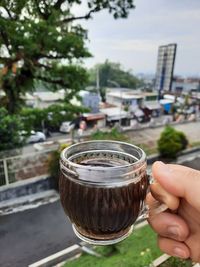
{"points": [[26, 237], [56, 136], [150, 136], [141, 136]]}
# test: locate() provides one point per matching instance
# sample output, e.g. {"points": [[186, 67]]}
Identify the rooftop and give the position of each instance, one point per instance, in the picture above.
{"points": [[125, 95], [152, 105], [50, 96], [114, 112], [129, 94]]}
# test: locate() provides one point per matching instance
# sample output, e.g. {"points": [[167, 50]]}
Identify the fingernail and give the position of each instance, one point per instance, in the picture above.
{"points": [[164, 167], [178, 252], [173, 231]]}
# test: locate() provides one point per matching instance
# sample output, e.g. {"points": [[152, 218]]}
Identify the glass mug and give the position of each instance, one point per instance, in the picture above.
{"points": [[103, 185]]}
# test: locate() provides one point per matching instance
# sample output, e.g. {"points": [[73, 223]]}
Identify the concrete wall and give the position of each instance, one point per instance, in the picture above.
{"points": [[24, 166], [28, 187]]}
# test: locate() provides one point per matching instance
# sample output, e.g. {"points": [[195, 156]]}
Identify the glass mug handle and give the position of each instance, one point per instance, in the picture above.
{"points": [[156, 207]]}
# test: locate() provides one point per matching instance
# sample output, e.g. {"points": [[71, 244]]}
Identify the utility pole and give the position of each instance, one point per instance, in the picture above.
{"points": [[98, 82], [97, 78], [120, 121]]}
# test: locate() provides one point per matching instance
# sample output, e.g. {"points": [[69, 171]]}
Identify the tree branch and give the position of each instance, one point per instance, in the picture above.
{"points": [[58, 4], [8, 11], [44, 16], [86, 16], [43, 65], [5, 58], [50, 56], [10, 17], [45, 79], [5, 39]]}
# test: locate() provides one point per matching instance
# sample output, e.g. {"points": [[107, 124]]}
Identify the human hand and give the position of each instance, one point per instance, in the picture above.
{"points": [[179, 227]]}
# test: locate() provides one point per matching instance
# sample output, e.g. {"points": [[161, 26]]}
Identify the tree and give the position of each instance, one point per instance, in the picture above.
{"points": [[10, 127], [171, 142], [112, 75], [41, 40], [49, 118]]}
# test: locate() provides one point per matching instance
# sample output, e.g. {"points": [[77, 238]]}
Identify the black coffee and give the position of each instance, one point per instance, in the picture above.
{"points": [[102, 212]]}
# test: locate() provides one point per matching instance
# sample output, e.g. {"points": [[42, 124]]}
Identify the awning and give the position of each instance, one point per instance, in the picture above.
{"points": [[114, 113], [139, 113], [92, 117], [152, 105]]}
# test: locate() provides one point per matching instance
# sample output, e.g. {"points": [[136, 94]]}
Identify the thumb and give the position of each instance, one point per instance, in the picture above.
{"points": [[179, 181]]}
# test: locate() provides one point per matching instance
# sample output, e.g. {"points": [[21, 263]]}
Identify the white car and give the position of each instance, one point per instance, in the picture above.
{"points": [[36, 137], [66, 127]]}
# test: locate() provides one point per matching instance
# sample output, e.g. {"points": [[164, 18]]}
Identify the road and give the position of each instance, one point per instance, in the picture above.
{"points": [[56, 136], [26, 237], [148, 136]]}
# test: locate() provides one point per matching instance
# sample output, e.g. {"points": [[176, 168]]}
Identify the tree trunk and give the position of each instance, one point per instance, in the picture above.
{"points": [[11, 100]]}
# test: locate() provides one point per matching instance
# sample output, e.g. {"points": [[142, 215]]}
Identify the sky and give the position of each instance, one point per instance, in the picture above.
{"points": [[134, 42]]}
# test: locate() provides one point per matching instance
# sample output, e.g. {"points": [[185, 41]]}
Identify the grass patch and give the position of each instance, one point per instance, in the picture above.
{"points": [[139, 250], [149, 150], [114, 134], [175, 262]]}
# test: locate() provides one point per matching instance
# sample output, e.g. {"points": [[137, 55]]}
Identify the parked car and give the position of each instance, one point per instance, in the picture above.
{"points": [[36, 137], [66, 127]]}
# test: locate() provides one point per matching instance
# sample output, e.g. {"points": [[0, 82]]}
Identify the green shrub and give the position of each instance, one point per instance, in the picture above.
{"points": [[32, 118], [176, 262], [183, 139], [171, 142], [54, 165], [10, 129]]}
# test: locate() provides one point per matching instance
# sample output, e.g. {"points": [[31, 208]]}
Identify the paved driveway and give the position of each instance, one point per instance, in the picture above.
{"points": [[26, 237]]}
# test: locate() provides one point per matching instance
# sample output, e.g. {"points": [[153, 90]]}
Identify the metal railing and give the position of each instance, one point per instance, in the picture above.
{"points": [[21, 167]]}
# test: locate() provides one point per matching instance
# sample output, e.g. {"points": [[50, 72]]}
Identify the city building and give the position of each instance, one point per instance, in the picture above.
{"points": [[95, 119], [186, 85], [136, 103], [165, 68], [91, 100], [116, 114], [43, 99], [132, 99], [124, 97]]}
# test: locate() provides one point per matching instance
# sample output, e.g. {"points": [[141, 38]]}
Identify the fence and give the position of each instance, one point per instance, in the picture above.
{"points": [[21, 167]]}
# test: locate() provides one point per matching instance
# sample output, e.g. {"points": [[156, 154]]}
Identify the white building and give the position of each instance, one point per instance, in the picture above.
{"points": [[185, 85], [114, 114], [124, 98], [131, 99], [43, 99]]}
